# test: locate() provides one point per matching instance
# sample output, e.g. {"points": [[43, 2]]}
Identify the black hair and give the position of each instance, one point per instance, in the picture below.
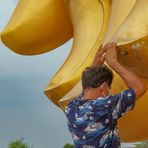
{"points": [[95, 76]]}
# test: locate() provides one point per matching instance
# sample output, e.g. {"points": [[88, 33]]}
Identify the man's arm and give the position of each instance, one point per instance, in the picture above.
{"points": [[131, 80]]}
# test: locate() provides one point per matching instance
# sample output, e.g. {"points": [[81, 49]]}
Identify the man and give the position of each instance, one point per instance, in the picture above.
{"points": [[92, 117]]}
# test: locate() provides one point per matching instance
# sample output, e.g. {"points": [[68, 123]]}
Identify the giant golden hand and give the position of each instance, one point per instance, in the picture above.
{"points": [[40, 26]]}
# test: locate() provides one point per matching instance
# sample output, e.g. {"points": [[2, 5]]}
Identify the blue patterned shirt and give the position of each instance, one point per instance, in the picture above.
{"points": [[93, 123]]}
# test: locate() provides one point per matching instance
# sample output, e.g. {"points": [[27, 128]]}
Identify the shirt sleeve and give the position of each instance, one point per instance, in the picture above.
{"points": [[121, 103]]}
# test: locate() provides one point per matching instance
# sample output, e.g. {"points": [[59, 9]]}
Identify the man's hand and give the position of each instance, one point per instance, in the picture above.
{"points": [[131, 80], [100, 56], [111, 53]]}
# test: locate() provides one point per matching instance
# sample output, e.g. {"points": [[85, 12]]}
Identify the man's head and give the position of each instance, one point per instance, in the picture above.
{"points": [[97, 77]]}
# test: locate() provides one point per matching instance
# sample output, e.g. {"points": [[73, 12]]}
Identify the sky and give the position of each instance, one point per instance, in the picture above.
{"points": [[24, 109]]}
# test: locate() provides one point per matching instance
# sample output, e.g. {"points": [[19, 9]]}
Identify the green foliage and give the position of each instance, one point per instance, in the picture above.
{"points": [[18, 144], [68, 146], [142, 145]]}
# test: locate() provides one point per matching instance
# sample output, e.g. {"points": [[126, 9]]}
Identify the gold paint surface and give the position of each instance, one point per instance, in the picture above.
{"points": [[37, 26], [89, 22]]}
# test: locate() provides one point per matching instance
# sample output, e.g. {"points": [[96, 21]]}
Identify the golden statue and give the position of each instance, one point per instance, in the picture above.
{"points": [[40, 26]]}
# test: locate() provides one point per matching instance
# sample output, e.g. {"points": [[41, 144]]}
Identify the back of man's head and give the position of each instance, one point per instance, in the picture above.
{"points": [[95, 76]]}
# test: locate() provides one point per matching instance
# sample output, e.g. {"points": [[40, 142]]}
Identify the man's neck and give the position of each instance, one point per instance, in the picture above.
{"points": [[91, 94]]}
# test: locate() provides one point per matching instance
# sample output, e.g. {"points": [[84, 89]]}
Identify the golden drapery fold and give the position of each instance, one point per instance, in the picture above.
{"points": [[40, 26]]}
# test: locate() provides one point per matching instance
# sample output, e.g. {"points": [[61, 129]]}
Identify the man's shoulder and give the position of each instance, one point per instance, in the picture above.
{"points": [[74, 102], [89, 104]]}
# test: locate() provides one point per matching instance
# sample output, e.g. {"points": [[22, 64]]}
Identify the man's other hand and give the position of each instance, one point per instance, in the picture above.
{"points": [[111, 53], [100, 56]]}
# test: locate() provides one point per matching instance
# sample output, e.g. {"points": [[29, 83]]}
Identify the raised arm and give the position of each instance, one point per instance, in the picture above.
{"points": [[131, 80]]}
